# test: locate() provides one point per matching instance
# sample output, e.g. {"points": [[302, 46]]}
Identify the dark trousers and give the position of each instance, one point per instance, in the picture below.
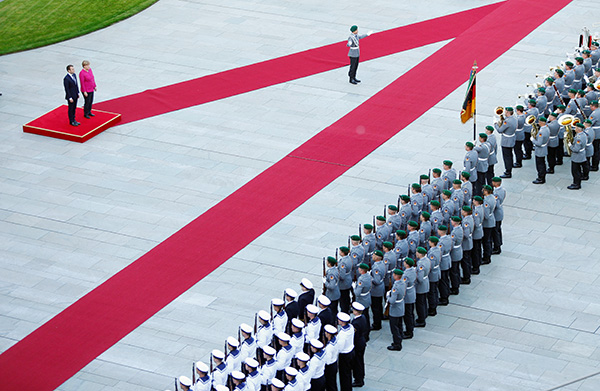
{"points": [[377, 309], [527, 144], [345, 370], [433, 295], [489, 174], [577, 172], [476, 254], [561, 152], [540, 165], [586, 168], [518, 150], [596, 156], [466, 264], [358, 365], [366, 315], [334, 308], [478, 185], [497, 236], [409, 317], [552, 154], [318, 384], [331, 377], [421, 307], [353, 68], [345, 300], [455, 275], [396, 329], [444, 285], [487, 243], [87, 103], [507, 156], [72, 109]]}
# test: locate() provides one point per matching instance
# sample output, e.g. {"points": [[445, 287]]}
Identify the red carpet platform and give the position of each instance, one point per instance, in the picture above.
{"points": [[56, 124]]}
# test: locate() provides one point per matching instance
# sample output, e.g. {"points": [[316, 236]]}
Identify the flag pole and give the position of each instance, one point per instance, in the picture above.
{"points": [[475, 102]]}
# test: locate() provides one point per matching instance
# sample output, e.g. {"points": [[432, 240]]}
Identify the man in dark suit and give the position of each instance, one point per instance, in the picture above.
{"points": [[306, 297], [71, 93], [361, 328]]}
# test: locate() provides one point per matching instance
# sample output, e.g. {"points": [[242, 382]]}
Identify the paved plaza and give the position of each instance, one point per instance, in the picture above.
{"points": [[72, 215]]}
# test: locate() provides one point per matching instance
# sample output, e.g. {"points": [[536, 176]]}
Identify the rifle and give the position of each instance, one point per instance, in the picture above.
{"points": [[193, 373], [175, 384], [360, 231], [387, 304], [385, 211], [211, 363], [399, 196], [255, 323], [429, 177], [324, 274], [239, 337], [348, 242], [408, 190], [374, 226], [230, 382], [226, 350]]}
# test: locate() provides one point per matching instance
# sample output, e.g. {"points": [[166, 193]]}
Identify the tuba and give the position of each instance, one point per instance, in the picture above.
{"points": [[567, 121], [530, 120], [500, 112]]}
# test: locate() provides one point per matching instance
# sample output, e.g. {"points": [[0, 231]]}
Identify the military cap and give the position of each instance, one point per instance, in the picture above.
{"points": [[478, 198], [344, 249], [357, 306], [355, 237], [489, 127], [246, 328], [594, 103], [579, 59], [277, 383], [324, 300], [305, 282], [587, 121], [447, 192], [569, 63], [457, 182], [447, 163], [465, 174], [590, 85], [251, 362], [550, 80], [185, 381], [595, 43], [378, 253], [424, 176], [293, 371], [559, 72], [561, 107], [554, 115], [487, 187], [434, 239], [579, 125], [582, 92], [404, 197], [520, 108], [509, 109], [332, 260], [368, 226], [435, 203], [586, 51], [393, 207], [437, 171], [483, 136], [277, 302], [496, 179], [409, 261], [381, 218], [413, 224], [421, 250], [354, 28], [330, 329], [202, 367], [456, 219], [467, 208], [313, 309], [237, 375], [218, 354], [342, 316], [542, 89], [401, 232], [363, 266], [305, 357], [297, 323], [531, 101], [426, 215], [220, 387], [233, 342], [398, 272], [469, 144], [572, 90], [442, 228], [388, 245], [542, 119], [264, 315], [416, 186]]}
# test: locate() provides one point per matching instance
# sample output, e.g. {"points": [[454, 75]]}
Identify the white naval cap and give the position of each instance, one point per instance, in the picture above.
{"points": [[313, 309], [220, 387], [277, 383], [344, 317], [202, 367], [291, 293], [302, 356], [330, 329], [283, 336], [357, 306], [237, 375], [264, 315], [315, 343], [324, 300], [218, 354], [306, 283], [277, 301], [269, 350], [233, 342], [297, 323], [185, 381], [291, 371], [246, 328], [251, 362]]}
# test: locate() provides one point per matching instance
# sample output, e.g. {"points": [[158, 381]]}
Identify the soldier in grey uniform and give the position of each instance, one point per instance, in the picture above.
{"points": [[470, 161], [394, 220], [435, 257], [561, 153], [354, 52], [583, 104], [569, 76], [331, 283], [426, 190], [578, 159], [422, 286], [579, 72], [457, 194], [357, 253], [362, 289], [437, 217], [572, 106], [417, 201], [424, 229], [595, 118], [476, 254], [395, 301], [437, 183], [595, 53], [345, 268], [589, 147], [483, 153], [448, 175], [405, 210], [467, 188], [507, 129], [541, 151], [413, 238], [467, 244], [409, 277], [449, 208], [541, 102], [445, 245], [553, 129], [587, 62], [519, 137], [383, 231], [493, 157], [591, 93], [401, 248], [369, 240], [456, 254], [378, 272], [500, 195], [531, 110], [390, 260], [559, 82], [489, 223], [550, 95]]}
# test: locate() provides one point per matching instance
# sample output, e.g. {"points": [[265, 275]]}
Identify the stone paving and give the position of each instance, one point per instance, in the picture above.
{"points": [[72, 215]]}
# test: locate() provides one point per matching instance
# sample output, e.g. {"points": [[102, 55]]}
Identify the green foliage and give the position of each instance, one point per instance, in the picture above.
{"points": [[28, 24]]}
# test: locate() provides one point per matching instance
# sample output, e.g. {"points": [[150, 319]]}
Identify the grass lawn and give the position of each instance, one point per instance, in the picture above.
{"points": [[28, 24]]}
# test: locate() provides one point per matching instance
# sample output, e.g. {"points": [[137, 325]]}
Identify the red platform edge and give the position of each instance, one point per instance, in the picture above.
{"points": [[36, 126]]}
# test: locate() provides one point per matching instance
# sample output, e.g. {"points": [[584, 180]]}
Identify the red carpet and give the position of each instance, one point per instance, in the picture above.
{"points": [[73, 338], [56, 124]]}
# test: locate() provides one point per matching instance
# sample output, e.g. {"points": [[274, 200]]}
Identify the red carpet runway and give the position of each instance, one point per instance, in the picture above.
{"points": [[80, 333]]}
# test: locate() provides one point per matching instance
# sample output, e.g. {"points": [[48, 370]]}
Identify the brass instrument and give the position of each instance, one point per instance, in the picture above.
{"points": [[545, 76], [530, 120], [597, 85], [567, 121], [535, 85], [500, 112]]}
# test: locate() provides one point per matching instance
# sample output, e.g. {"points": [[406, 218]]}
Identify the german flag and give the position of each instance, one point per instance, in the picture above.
{"points": [[468, 107]]}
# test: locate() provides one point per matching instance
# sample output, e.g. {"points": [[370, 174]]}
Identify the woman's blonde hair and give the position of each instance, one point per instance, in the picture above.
{"points": [[84, 63]]}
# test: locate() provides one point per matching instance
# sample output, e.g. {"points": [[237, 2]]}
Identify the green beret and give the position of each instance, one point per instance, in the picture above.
{"points": [[469, 144], [409, 261], [542, 89], [344, 249], [554, 115], [393, 207], [520, 108], [561, 107], [416, 186], [434, 239], [532, 102], [559, 72], [572, 90], [586, 51], [413, 224], [594, 103], [401, 233], [483, 136], [437, 171], [509, 109], [579, 125], [447, 192], [569, 63], [426, 215], [435, 203], [447, 163], [542, 119], [368, 226], [465, 174], [487, 187], [388, 245], [424, 176], [355, 237], [421, 250], [550, 80], [354, 28], [457, 182], [489, 128], [363, 266], [590, 85], [398, 272], [379, 253], [478, 198], [467, 208], [496, 179], [381, 218], [404, 197], [582, 92], [580, 59], [456, 219], [332, 260], [442, 228], [595, 43], [587, 121]]}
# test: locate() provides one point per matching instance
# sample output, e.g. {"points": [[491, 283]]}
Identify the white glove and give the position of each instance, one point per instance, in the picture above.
{"points": [[354, 285], [370, 32], [324, 280]]}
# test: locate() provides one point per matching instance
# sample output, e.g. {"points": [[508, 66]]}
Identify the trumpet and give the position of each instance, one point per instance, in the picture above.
{"points": [[535, 85], [545, 76], [567, 120], [500, 112], [530, 120]]}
